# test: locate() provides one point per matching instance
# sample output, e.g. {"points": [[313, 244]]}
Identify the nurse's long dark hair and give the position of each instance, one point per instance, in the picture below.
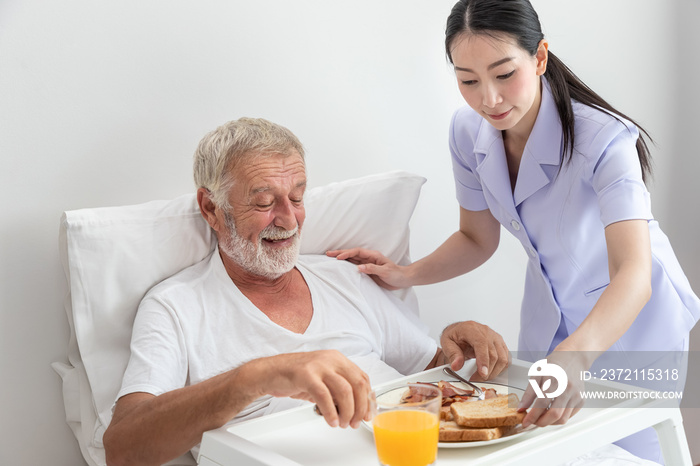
{"points": [[519, 19]]}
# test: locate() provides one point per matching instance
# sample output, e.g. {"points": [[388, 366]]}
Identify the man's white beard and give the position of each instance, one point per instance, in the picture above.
{"points": [[255, 257]]}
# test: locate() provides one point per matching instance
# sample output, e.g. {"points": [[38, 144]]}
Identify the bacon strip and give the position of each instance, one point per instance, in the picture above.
{"points": [[450, 390], [450, 393], [416, 394]]}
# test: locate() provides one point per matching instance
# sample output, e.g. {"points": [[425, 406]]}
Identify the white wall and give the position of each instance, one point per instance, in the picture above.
{"points": [[103, 103], [684, 189]]}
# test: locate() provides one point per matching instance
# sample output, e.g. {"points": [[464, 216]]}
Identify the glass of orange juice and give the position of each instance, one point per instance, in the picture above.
{"points": [[406, 428]]}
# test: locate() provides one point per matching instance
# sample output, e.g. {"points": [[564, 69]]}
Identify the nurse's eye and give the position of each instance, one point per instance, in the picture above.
{"points": [[506, 76]]}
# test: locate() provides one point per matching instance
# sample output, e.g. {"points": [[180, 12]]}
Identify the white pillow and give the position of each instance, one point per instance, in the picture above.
{"points": [[113, 255]]}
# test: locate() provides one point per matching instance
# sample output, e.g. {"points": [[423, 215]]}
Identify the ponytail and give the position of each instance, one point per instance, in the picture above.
{"points": [[565, 86]]}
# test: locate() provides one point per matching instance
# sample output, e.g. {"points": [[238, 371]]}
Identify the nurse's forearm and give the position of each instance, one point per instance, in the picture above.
{"points": [[475, 241], [456, 256]]}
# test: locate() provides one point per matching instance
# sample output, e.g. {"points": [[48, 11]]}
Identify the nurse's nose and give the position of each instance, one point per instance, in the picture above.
{"points": [[491, 97]]}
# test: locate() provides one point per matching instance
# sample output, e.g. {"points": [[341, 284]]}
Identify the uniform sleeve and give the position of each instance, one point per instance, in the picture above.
{"points": [[158, 362], [406, 345], [617, 176], [468, 186]]}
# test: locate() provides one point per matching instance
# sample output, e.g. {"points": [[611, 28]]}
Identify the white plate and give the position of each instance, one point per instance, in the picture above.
{"points": [[394, 396]]}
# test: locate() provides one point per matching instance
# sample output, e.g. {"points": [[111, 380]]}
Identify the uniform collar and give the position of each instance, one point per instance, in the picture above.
{"points": [[541, 155]]}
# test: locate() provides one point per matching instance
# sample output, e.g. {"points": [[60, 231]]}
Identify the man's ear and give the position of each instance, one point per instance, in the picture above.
{"points": [[207, 208], [542, 55]]}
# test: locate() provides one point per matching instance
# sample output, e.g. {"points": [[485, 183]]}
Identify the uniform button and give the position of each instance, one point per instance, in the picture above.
{"points": [[532, 252], [515, 225]]}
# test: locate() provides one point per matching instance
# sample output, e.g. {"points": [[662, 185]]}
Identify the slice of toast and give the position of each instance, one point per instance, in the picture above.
{"points": [[445, 413], [494, 412], [451, 432]]}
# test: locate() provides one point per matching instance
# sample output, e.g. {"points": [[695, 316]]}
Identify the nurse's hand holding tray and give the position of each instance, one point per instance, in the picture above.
{"points": [[554, 393], [406, 425]]}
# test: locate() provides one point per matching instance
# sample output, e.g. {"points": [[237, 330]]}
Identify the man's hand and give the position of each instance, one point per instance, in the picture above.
{"points": [[328, 378], [467, 340]]}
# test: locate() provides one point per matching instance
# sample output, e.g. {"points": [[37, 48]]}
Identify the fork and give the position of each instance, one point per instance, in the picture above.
{"points": [[478, 391]]}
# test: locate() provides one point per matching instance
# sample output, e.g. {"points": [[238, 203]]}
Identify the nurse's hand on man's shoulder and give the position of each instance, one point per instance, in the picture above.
{"points": [[467, 340], [380, 268]]}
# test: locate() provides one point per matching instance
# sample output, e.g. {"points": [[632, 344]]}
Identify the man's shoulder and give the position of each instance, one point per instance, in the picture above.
{"points": [[321, 263], [338, 273], [341, 277], [186, 280]]}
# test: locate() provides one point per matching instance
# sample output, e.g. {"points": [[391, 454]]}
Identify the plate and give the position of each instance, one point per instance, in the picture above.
{"points": [[394, 396]]}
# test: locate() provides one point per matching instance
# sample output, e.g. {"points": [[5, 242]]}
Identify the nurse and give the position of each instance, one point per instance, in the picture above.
{"points": [[538, 152]]}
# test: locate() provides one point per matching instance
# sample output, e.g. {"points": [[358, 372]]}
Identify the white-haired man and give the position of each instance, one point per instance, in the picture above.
{"points": [[255, 327]]}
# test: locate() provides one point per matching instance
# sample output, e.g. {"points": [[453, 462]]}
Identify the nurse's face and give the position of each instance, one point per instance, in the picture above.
{"points": [[499, 79]]}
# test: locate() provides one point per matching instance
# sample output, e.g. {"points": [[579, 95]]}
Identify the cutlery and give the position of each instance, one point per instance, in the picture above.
{"points": [[478, 392]]}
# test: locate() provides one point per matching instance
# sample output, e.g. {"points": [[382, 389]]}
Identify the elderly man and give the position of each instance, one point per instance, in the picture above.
{"points": [[255, 327]]}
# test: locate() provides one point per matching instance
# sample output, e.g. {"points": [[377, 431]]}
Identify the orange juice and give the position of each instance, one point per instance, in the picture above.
{"points": [[406, 437]]}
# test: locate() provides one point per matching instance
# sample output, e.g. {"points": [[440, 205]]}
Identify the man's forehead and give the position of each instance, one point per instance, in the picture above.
{"points": [[265, 187], [270, 172]]}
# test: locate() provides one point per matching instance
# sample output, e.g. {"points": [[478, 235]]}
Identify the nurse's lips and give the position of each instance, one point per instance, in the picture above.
{"points": [[499, 116]]}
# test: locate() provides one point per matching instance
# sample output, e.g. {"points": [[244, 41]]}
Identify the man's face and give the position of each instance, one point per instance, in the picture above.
{"points": [[262, 228]]}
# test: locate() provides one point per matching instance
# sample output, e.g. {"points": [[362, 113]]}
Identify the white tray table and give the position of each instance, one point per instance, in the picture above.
{"points": [[300, 437]]}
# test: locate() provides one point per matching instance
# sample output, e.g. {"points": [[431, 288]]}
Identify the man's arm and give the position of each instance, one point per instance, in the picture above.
{"points": [[150, 430]]}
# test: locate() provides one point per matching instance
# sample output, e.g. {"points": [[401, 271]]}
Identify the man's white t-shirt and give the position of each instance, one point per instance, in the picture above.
{"points": [[197, 324]]}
